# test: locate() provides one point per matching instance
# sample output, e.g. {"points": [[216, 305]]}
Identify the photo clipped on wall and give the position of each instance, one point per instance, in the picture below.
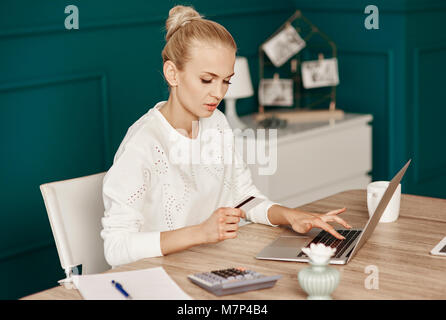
{"points": [[276, 92], [283, 46], [320, 73]]}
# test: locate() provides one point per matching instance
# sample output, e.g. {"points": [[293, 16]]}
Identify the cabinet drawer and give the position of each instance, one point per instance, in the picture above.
{"points": [[316, 161]]}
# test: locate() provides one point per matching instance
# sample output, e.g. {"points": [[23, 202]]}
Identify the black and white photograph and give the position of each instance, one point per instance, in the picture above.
{"points": [[320, 73], [283, 46], [276, 92]]}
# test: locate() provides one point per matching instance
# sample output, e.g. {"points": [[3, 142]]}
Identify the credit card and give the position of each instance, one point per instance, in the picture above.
{"points": [[248, 203]]}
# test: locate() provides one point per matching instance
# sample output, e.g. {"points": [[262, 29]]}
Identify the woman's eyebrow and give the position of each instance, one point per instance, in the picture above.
{"points": [[216, 75]]}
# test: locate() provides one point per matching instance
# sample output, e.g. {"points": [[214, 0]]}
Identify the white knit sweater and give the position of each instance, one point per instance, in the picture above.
{"points": [[159, 182]]}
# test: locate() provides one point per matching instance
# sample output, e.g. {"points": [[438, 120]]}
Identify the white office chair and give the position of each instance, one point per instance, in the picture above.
{"points": [[75, 208]]}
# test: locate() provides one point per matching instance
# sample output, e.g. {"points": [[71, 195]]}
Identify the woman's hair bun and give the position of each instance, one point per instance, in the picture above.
{"points": [[178, 17]]}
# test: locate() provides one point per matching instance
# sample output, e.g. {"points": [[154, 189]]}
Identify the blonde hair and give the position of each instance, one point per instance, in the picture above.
{"points": [[184, 26]]}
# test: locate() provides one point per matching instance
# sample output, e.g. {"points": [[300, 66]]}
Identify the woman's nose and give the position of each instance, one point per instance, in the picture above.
{"points": [[218, 91]]}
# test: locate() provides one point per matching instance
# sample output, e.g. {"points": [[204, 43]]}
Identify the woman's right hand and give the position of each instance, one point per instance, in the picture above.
{"points": [[222, 224]]}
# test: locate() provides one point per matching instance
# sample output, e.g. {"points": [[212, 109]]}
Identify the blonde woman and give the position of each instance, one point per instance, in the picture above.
{"points": [[155, 206]]}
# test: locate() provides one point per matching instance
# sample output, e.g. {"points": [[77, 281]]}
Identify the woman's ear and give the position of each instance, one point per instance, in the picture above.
{"points": [[170, 73]]}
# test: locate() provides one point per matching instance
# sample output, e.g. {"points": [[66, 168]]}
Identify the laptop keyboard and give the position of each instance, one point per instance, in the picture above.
{"points": [[331, 241]]}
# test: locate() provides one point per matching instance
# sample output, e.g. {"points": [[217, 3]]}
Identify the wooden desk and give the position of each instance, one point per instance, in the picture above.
{"points": [[400, 251]]}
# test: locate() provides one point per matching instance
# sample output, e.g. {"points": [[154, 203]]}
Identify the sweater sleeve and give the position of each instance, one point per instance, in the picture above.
{"points": [[124, 188]]}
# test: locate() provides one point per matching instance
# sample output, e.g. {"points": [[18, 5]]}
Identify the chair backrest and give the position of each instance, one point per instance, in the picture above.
{"points": [[75, 208]]}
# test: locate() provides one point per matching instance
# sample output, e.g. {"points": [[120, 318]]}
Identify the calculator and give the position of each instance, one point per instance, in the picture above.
{"points": [[232, 280]]}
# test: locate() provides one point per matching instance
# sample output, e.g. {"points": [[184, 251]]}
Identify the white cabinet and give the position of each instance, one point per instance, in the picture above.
{"points": [[316, 160]]}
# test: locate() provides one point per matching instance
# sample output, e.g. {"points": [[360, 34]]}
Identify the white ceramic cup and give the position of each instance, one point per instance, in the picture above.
{"points": [[375, 192]]}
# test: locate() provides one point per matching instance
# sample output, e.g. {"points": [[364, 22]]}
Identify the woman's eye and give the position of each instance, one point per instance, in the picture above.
{"points": [[209, 81]]}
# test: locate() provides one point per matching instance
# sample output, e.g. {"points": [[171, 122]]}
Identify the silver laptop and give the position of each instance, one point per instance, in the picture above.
{"points": [[288, 247]]}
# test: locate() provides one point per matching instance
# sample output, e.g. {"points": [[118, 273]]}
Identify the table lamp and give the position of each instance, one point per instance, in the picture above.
{"points": [[240, 87]]}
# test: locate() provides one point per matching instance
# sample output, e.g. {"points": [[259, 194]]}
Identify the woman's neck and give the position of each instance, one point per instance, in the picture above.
{"points": [[180, 118]]}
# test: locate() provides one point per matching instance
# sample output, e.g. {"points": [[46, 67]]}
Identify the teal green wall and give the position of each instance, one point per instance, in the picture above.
{"points": [[67, 97]]}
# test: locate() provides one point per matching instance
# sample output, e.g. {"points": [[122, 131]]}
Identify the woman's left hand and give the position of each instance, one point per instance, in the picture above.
{"points": [[303, 222]]}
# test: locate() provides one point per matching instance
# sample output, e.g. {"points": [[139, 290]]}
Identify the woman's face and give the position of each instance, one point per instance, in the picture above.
{"points": [[205, 79]]}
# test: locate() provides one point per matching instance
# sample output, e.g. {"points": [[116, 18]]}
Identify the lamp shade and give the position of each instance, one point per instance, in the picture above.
{"points": [[241, 86]]}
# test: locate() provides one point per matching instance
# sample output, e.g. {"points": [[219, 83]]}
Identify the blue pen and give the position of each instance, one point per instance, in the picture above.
{"points": [[119, 287]]}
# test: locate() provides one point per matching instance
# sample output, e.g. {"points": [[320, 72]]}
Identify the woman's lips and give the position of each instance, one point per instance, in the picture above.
{"points": [[211, 107]]}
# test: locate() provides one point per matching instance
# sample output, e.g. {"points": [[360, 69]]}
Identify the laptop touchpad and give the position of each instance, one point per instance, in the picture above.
{"points": [[290, 242]]}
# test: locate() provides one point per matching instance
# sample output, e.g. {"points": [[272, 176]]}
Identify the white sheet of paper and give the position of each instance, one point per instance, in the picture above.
{"points": [[145, 284]]}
